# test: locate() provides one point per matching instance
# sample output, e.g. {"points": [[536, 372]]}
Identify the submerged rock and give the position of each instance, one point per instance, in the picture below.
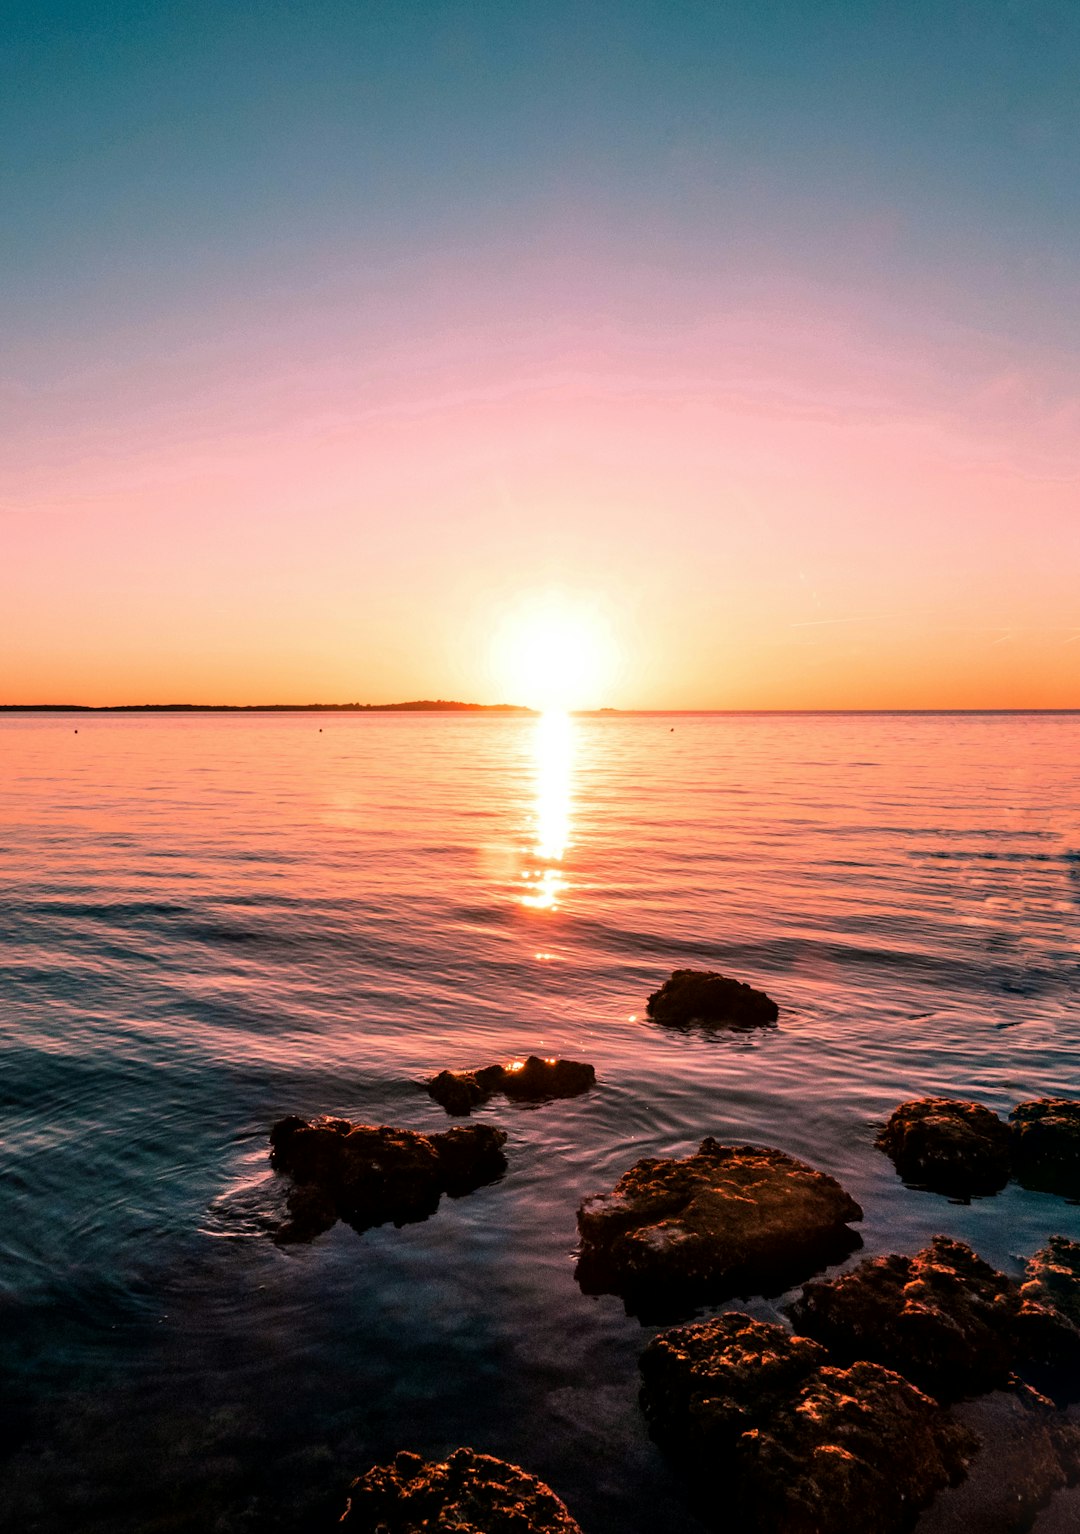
{"points": [[1046, 1145], [469, 1493], [531, 1080], [944, 1318], [713, 1000], [1028, 1451], [369, 1175], [778, 1441], [948, 1145], [730, 1219]]}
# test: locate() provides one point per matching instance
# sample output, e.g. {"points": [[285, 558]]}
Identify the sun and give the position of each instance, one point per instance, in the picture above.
{"points": [[554, 653]]}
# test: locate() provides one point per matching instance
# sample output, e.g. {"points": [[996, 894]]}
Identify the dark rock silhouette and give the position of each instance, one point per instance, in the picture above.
{"points": [[944, 1318], [1046, 1145], [1053, 1278], [368, 1175], [1027, 1451], [948, 1145], [469, 1493], [778, 1441], [532, 1080], [701, 996], [730, 1219]]}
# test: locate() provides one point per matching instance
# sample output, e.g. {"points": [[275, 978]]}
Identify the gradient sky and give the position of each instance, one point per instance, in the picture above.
{"points": [[333, 334]]}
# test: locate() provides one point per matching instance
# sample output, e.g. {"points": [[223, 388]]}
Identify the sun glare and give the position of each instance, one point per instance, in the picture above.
{"points": [[554, 654]]}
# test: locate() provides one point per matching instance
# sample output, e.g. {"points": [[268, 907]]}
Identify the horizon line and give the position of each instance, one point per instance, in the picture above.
{"points": [[441, 705]]}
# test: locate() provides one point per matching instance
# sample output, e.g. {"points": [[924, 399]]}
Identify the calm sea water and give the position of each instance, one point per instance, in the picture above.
{"points": [[207, 922]]}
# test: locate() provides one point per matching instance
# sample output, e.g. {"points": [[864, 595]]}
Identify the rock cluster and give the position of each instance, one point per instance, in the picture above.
{"points": [[946, 1319], [368, 1175], [531, 1080], [790, 1443], [701, 996], [729, 1219], [964, 1149], [469, 1493]]}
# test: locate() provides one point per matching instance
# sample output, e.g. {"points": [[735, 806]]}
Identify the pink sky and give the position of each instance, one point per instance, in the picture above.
{"points": [[779, 497]]}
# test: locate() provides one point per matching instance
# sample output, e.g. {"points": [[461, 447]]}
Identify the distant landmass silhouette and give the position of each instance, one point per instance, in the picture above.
{"points": [[421, 705]]}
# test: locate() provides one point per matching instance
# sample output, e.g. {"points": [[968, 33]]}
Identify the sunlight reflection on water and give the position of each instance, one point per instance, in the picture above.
{"points": [[553, 765]]}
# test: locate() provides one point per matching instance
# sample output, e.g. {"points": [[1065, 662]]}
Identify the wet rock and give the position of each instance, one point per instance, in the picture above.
{"points": [[944, 1318], [1028, 1451], [468, 1494], [1049, 1318], [531, 1080], [793, 1444], [729, 1219], [948, 1145], [705, 1384], [714, 1001], [369, 1175], [1046, 1145]]}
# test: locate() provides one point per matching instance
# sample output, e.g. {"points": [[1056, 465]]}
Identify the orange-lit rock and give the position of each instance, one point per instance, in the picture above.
{"points": [[469, 1493], [730, 1219], [530, 1080], [944, 1318], [775, 1440], [948, 1145]]}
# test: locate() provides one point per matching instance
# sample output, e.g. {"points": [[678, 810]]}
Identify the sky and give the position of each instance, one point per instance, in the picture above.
{"points": [[727, 355]]}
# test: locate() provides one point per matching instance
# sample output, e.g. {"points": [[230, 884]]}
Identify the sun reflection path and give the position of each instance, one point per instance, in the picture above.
{"points": [[553, 758]]}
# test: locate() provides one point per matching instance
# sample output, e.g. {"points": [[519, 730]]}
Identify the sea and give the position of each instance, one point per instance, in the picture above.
{"points": [[210, 921]]}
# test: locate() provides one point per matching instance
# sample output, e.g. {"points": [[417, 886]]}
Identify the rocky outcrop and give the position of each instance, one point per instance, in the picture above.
{"points": [[705, 998], [1053, 1278], [469, 1493], [368, 1175], [1046, 1145], [1027, 1452], [953, 1147], [778, 1441], [532, 1080], [944, 1318], [1049, 1318], [730, 1219]]}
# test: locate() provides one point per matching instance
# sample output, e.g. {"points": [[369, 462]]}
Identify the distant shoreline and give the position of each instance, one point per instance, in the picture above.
{"points": [[442, 706], [422, 706]]}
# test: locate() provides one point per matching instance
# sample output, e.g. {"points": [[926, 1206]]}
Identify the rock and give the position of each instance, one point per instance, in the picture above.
{"points": [[715, 1001], [530, 1080], [729, 1219], [368, 1176], [948, 1145], [1049, 1318], [707, 1383], [1027, 1452], [778, 1441], [1053, 1277], [1046, 1145], [944, 1318], [468, 1494]]}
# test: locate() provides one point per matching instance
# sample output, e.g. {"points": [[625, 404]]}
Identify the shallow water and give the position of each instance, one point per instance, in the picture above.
{"points": [[209, 921]]}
